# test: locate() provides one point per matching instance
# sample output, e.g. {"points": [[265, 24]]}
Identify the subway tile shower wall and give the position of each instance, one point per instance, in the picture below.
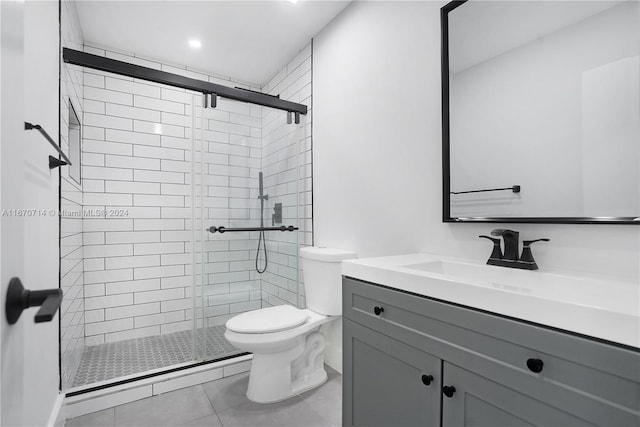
{"points": [[71, 249], [283, 281], [137, 176]]}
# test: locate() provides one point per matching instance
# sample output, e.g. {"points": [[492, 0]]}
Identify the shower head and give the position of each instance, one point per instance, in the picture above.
{"points": [[261, 195]]}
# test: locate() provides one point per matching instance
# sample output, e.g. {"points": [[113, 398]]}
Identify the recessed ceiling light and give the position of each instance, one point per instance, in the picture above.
{"points": [[293, 1], [196, 44]]}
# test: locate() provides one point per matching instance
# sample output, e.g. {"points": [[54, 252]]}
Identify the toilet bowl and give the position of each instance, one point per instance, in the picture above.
{"points": [[287, 347]]}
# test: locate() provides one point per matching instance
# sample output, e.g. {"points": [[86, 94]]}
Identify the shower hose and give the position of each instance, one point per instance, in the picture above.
{"points": [[261, 242]]}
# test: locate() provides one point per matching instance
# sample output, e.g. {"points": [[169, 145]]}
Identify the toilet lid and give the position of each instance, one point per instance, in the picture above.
{"points": [[270, 319]]}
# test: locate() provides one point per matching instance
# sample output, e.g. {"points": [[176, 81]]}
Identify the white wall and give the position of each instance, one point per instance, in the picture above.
{"points": [[40, 253], [377, 127], [11, 197], [377, 150]]}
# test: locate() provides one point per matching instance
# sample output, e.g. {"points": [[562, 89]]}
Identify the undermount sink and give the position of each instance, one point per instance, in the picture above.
{"points": [[602, 307], [542, 284], [515, 280], [475, 274], [458, 269]]}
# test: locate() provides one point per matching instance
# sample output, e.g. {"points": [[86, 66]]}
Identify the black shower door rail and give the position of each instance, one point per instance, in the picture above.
{"points": [[101, 63]]}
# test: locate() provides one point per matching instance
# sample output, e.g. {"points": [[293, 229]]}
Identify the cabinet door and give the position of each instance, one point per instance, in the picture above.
{"points": [[480, 402], [383, 382]]}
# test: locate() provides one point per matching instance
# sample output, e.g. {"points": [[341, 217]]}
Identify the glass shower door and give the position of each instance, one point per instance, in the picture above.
{"points": [[250, 180], [127, 235], [231, 156], [280, 168]]}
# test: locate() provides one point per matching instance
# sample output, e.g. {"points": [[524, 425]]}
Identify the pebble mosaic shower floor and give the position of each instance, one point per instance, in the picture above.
{"points": [[113, 360]]}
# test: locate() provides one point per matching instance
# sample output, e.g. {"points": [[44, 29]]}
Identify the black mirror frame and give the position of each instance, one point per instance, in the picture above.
{"points": [[446, 172]]}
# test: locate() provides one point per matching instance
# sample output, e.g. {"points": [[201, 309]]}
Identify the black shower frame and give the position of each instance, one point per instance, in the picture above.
{"points": [[446, 153], [101, 63]]}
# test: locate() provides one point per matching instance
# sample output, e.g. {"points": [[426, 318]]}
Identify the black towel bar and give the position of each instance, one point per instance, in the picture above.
{"points": [[29, 126], [515, 189]]}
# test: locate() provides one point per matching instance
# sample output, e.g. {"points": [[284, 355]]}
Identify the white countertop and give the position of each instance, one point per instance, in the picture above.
{"points": [[587, 305]]}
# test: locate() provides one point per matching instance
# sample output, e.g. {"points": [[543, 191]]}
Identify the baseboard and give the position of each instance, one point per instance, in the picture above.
{"points": [[56, 418]]}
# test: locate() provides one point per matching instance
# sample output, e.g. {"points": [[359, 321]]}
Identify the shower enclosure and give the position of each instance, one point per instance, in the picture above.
{"points": [[248, 195], [192, 213]]}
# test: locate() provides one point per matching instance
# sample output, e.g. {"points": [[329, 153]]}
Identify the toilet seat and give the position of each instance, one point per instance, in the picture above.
{"points": [[267, 320]]}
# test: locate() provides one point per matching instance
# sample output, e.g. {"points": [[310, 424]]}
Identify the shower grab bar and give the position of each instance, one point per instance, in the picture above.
{"points": [[221, 229], [29, 126], [515, 189]]}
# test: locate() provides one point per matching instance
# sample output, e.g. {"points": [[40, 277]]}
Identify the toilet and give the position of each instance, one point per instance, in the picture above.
{"points": [[287, 347]]}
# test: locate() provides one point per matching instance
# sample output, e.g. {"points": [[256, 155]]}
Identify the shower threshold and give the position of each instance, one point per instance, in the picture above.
{"points": [[125, 359]]}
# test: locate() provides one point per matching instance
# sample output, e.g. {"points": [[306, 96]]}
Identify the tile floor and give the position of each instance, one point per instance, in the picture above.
{"points": [[222, 403], [118, 359]]}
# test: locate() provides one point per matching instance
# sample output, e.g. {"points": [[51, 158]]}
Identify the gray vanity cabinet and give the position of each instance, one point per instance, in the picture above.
{"points": [[392, 384], [480, 402], [505, 372]]}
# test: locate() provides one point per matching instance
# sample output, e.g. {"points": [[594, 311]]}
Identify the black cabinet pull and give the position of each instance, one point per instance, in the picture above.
{"points": [[426, 379], [19, 299], [377, 310], [535, 365], [448, 390]]}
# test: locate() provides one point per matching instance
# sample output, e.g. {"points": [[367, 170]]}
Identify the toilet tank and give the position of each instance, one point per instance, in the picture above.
{"points": [[321, 269]]}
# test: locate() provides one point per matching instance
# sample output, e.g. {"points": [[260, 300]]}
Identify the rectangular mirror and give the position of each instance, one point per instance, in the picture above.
{"points": [[541, 111]]}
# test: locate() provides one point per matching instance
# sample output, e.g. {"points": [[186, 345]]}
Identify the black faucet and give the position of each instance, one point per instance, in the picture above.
{"points": [[511, 245]]}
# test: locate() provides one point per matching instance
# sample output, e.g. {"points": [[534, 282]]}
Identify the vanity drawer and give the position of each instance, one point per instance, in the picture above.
{"points": [[575, 370]]}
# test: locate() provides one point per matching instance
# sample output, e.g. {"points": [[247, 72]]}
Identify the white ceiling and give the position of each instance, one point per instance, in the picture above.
{"points": [[248, 41]]}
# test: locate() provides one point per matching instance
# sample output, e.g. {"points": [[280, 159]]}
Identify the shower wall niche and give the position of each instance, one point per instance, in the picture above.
{"points": [[133, 241]]}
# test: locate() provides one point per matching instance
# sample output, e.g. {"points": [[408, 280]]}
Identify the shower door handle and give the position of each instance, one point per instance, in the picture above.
{"points": [[19, 299]]}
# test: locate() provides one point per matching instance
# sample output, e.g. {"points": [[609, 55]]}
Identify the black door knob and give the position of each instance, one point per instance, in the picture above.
{"points": [[535, 365], [448, 390], [377, 310], [426, 379]]}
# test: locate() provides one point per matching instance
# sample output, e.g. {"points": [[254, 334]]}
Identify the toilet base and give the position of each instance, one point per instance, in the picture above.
{"points": [[279, 376]]}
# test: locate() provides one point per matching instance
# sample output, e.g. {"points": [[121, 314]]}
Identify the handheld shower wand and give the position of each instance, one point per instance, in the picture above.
{"points": [[261, 240]]}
